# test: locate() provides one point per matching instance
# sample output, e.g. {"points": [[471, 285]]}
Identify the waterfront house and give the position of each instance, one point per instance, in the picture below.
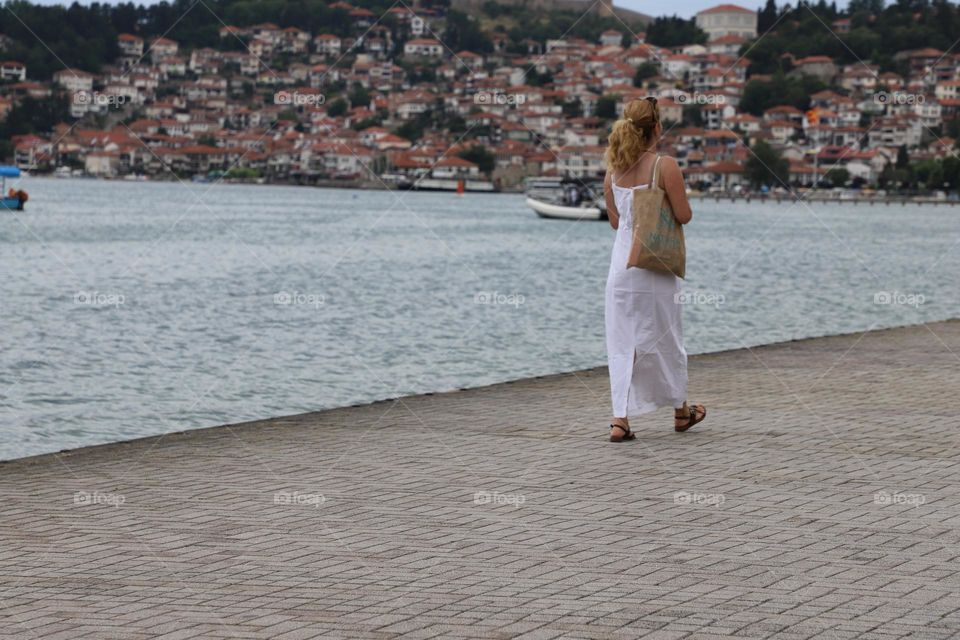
{"points": [[453, 167]]}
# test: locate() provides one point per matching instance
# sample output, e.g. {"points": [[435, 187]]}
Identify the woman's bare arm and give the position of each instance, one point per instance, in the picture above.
{"points": [[672, 180], [611, 203]]}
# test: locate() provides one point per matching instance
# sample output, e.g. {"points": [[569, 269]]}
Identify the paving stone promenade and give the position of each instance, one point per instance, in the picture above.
{"points": [[819, 500]]}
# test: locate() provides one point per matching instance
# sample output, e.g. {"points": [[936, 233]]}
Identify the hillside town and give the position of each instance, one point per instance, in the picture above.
{"points": [[283, 105]]}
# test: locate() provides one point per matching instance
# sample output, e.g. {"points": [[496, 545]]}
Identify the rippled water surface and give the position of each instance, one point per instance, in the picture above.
{"points": [[131, 309]]}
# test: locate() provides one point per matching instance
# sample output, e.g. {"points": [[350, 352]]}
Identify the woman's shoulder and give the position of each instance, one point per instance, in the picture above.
{"points": [[668, 162]]}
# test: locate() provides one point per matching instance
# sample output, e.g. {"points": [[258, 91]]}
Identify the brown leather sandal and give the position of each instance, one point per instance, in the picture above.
{"points": [[695, 414], [627, 434]]}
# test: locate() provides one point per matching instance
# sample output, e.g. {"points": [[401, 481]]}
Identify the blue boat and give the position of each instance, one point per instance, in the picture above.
{"points": [[15, 198]]}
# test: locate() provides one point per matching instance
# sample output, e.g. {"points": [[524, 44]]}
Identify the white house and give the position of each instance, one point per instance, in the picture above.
{"points": [[728, 20], [327, 44], [74, 80], [12, 70], [423, 47]]}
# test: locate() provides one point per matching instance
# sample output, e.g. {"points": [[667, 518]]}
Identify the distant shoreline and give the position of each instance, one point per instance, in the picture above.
{"points": [[369, 185]]}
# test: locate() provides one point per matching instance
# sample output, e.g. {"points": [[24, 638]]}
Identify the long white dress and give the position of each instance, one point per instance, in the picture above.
{"points": [[645, 353]]}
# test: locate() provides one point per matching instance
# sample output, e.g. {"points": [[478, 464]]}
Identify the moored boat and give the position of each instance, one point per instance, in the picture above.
{"points": [[15, 198], [566, 198]]}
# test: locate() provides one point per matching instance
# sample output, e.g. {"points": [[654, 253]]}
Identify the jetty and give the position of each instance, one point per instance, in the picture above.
{"points": [[820, 499]]}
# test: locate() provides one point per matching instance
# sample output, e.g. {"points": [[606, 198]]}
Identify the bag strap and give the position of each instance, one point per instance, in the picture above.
{"points": [[653, 177]]}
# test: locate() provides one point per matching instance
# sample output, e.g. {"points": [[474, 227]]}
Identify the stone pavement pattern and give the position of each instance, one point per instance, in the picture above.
{"points": [[819, 500]]}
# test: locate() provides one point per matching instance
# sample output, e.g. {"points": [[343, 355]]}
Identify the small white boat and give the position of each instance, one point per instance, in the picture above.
{"points": [[549, 210], [566, 198]]}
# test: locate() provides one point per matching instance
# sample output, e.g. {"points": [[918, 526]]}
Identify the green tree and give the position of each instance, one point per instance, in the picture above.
{"points": [[463, 33], [903, 157], [31, 115], [674, 31], [359, 96], [766, 167], [410, 130], [337, 108], [606, 107], [767, 16], [644, 72], [760, 95], [481, 156], [837, 176]]}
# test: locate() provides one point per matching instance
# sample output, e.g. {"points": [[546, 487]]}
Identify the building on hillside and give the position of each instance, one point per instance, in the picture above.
{"points": [[74, 80], [728, 20], [130, 45], [163, 48], [12, 70], [423, 48]]}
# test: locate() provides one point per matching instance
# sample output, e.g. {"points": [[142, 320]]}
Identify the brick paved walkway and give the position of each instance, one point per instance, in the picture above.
{"points": [[819, 500]]}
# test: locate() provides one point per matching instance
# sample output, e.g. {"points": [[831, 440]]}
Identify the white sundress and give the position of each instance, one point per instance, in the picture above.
{"points": [[645, 353]]}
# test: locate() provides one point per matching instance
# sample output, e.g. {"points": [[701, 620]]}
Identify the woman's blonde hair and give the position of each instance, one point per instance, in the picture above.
{"points": [[632, 134]]}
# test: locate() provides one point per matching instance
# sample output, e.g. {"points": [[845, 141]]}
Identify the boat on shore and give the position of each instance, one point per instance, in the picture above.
{"points": [[566, 198]]}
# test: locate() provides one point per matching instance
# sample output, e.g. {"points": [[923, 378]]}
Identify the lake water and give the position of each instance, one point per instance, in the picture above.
{"points": [[131, 309]]}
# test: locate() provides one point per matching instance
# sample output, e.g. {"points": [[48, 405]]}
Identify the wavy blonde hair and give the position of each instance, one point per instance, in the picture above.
{"points": [[632, 134]]}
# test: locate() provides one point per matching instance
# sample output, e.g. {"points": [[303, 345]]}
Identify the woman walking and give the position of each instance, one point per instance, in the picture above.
{"points": [[645, 353]]}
